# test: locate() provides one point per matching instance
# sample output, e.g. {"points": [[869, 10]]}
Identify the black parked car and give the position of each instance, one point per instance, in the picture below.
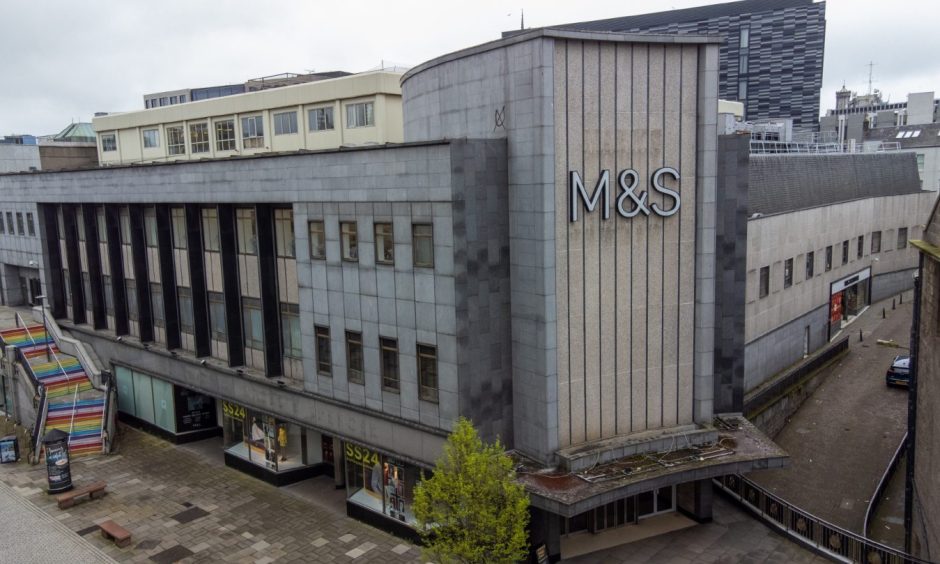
{"points": [[900, 372]]}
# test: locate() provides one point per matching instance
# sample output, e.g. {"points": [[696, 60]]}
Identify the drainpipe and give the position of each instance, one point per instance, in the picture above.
{"points": [[912, 411]]}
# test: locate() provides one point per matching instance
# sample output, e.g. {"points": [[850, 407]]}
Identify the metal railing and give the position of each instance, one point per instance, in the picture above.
{"points": [[764, 147], [883, 484], [40, 424], [807, 529], [19, 320]]}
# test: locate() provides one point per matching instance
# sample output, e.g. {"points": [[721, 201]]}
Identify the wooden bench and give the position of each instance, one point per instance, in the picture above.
{"points": [[112, 531], [93, 491]]}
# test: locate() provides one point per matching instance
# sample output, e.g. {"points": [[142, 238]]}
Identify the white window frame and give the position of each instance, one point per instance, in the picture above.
{"points": [[314, 115], [151, 138], [225, 127], [252, 132], [108, 142], [285, 123], [356, 118], [176, 145]]}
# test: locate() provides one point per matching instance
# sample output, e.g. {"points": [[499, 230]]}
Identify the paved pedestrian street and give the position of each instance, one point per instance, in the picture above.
{"points": [[180, 506]]}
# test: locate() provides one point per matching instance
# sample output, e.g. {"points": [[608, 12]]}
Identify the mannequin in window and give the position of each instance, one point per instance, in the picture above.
{"points": [[282, 441]]}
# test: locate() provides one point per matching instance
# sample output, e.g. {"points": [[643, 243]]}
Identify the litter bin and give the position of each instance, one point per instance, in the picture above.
{"points": [[9, 449], [56, 443]]}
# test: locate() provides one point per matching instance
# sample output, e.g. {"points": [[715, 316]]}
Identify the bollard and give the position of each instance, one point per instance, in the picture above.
{"points": [[893, 304], [883, 313], [860, 338], [902, 298]]}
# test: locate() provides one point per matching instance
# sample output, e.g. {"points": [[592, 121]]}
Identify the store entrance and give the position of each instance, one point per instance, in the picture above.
{"points": [[849, 297]]}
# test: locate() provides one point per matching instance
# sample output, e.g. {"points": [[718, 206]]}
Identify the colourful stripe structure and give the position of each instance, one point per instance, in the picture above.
{"points": [[79, 414]]}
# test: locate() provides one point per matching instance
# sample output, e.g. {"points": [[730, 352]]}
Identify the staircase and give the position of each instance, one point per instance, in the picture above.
{"points": [[74, 405]]}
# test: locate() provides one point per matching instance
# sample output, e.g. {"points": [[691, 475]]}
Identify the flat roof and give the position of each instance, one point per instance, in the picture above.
{"points": [[740, 448]]}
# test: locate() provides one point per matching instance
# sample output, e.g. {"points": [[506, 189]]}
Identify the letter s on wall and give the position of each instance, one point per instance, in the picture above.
{"points": [[658, 186]]}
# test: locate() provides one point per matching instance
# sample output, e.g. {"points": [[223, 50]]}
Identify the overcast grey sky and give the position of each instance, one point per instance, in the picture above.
{"points": [[63, 60]]}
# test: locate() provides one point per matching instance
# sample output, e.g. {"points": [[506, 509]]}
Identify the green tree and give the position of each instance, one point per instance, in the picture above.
{"points": [[472, 510]]}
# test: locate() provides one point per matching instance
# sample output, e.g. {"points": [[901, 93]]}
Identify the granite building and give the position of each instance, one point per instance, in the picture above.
{"points": [[539, 255], [771, 58]]}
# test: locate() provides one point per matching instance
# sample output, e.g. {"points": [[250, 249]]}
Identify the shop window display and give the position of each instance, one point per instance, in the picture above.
{"points": [[262, 439], [380, 483]]}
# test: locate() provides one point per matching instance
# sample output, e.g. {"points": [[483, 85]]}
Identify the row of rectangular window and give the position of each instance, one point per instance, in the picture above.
{"points": [[764, 280], [17, 228], [361, 114], [165, 101], [422, 242], [389, 366]]}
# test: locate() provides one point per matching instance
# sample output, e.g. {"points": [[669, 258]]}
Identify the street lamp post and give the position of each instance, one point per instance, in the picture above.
{"points": [[42, 304]]}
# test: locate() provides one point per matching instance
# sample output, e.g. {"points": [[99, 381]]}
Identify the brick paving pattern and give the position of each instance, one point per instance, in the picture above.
{"points": [[181, 507]]}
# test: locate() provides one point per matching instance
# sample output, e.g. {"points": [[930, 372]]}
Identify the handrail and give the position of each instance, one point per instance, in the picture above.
{"points": [[807, 529], [40, 423], [883, 483], [72, 421], [25, 327]]}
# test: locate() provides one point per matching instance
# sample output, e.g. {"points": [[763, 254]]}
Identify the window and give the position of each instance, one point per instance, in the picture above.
{"points": [[108, 294], [384, 244], [810, 264], [108, 142], [79, 224], [130, 289], [389, 363], [422, 244], [349, 240], [175, 141], [30, 225], [125, 218], [742, 63], [290, 330], [150, 226], [156, 302], [875, 242], [861, 246], [285, 123], [317, 240], [742, 90], [321, 119], [10, 229], [764, 288], [828, 258], [225, 135], [284, 232], [360, 115], [745, 38], [210, 229], [172, 100], [198, 138], [245, 226], [151, 138], [21, 231], [902, 237], [217, 316], [354, 357], [427, 372], [178, 218], [252, 132], [324, 361], [101, 224], [254, 324], [185, 296], [182, 98], [788, 273], [845, 252], [3, 228]]}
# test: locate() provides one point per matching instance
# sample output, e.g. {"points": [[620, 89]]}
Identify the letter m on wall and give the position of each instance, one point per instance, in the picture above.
{"points": [[577, 192]]}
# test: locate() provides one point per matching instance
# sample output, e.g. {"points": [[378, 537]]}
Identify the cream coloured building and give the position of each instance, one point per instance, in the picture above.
{"points": [[351, 111]]}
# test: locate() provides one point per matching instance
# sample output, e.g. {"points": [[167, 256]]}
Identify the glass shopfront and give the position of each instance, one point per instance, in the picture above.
{"points": [[380, 483], [848, 298], [262, 439], [627, 511], [171, 411]]}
